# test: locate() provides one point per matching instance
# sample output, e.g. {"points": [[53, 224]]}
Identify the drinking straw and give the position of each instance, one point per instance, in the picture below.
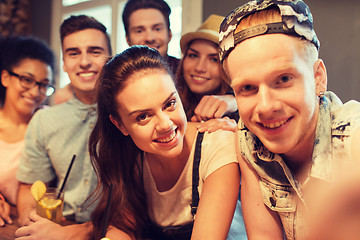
{"points": [[66, 176], [107, 213]]}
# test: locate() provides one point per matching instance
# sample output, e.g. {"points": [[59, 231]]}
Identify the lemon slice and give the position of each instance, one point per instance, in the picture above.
{"points": [[49, 205], [38, 189], [105, 238]]}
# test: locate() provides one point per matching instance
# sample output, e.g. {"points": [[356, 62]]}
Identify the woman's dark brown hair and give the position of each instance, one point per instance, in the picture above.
{"points": [[115, 157]]}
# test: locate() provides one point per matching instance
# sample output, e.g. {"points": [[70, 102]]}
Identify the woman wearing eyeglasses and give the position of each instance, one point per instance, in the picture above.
{"points": [[26, 71]]}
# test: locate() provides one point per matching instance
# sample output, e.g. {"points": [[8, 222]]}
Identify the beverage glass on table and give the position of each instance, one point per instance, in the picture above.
{"points": [[50, 205]]}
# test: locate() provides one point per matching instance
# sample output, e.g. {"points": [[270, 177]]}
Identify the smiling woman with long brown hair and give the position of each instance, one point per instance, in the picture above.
{"points": [[143, 146]]}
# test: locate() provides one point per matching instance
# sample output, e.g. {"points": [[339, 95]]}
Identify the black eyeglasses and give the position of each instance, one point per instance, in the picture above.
{"points": [[28, 83]]}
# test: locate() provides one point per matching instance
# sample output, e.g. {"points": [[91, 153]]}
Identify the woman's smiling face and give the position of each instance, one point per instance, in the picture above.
{"points": [[152, 114], [23, 100], [201, 67]]}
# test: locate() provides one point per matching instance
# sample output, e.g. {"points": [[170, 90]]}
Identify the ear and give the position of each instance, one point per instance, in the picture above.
{"points": [[128, 40], [5, 78], [63, 65], [320, 76], [118, 125], [170, 35]]}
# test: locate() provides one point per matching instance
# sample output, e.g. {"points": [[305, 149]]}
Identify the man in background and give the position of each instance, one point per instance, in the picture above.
{"points": [[147, 22]]}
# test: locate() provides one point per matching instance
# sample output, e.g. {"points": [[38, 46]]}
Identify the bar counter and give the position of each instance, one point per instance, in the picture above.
{"points": [[7, 232]]}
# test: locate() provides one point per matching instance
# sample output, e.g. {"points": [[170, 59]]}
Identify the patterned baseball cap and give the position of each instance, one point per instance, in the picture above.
{"points": [[296, 20]]}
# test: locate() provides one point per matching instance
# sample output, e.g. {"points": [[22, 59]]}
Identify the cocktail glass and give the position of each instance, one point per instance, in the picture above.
{"points": [[50, 206]]}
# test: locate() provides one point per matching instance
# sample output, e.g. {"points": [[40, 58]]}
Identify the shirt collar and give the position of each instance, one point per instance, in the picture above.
{"points": [[85, 111], [322, 163], [322, 154]]}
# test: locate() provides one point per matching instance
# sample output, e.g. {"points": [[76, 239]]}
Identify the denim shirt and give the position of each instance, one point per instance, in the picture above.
{"points": [[280, 190], [53, 136]]}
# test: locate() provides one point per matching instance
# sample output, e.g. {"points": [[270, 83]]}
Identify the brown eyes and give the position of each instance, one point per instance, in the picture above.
{"points": [[168, 106]]}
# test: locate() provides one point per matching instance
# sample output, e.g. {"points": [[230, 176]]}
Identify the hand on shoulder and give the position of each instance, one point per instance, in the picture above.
{"points": [[213, 125], [214, 106]]}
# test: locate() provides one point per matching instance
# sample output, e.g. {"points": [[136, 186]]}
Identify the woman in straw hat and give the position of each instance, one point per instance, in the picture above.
{"points": [[203, 85], [205, 91]]}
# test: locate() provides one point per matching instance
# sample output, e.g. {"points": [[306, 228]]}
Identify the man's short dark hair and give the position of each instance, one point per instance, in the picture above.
{"points": [[82, 22], [133, 5]]}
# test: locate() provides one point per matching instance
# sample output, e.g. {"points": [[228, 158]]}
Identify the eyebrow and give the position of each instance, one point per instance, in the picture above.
{"points": [[159, 25], [193, 50], [33, 77], [289, 68], [146, 110], [89, 48], [96, 48], [27, 73], [143, 27], [211, 54]]}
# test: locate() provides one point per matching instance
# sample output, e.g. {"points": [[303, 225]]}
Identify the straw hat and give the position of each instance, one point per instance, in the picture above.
{"points": [[209, 30]]}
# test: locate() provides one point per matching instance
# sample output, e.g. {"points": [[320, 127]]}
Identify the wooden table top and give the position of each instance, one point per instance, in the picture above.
{"points": [[7, 232]]}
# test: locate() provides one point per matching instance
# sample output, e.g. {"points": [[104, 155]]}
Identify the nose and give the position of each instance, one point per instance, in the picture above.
{"points": [[267, 101], [35, 91], [149, 36], [164, 123], [85, 61], [201, 65]]}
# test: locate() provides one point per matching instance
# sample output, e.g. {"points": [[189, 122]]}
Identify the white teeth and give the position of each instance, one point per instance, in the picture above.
{"points": [[90, 74], [168, 139], [199, 78], [274, 125]]}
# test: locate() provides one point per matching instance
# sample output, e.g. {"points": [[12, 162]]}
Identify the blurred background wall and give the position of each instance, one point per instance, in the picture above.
{"points": [[337, 24]]}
